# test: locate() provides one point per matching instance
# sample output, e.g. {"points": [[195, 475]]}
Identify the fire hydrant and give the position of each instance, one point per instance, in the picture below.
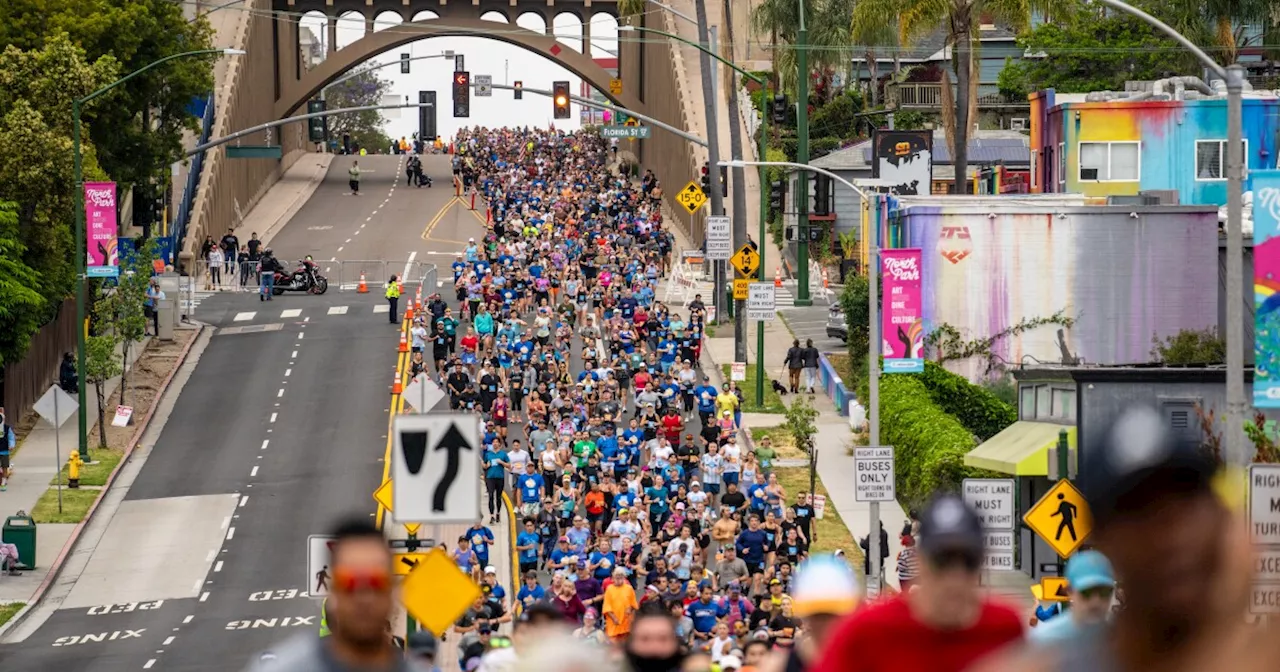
{"points": [[73, 469]]}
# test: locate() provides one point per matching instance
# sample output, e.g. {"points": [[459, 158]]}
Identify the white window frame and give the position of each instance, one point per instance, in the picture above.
{"points": [[1079, 153], [1062, 164], [1222, 157]]}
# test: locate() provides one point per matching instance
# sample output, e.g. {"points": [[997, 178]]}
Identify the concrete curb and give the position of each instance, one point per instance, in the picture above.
{"points": [[67, 548], [303, 196]]}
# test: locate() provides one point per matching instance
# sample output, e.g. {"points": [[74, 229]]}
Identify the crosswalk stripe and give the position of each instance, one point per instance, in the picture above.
{"points": [[381, 308], [338, 310], [244, 317], [292, 312]]}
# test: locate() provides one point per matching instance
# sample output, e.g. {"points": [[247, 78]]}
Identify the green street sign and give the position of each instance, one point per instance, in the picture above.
{"points": [[631, 132]]}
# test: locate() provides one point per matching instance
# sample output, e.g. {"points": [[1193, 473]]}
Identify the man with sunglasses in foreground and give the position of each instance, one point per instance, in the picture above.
{"points": [[1092, 585], [945, 623], [359, 604]]}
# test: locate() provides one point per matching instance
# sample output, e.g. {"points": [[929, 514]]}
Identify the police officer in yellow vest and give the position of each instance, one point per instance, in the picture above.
{"points": [[393, 297], [324, 618]]}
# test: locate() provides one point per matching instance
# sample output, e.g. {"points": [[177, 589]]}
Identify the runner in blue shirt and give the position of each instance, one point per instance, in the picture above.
{"points": [[527, 543], [480, 538], [531, 591]]}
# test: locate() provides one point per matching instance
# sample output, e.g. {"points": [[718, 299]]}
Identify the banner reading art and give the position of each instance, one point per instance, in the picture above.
{"points": [[902, 321], [100, 231], [1266, 287]]}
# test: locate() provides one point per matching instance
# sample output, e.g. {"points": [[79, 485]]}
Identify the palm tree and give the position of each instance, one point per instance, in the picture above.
{"points": [[961, 19], [1217, 21], [830, 39]]}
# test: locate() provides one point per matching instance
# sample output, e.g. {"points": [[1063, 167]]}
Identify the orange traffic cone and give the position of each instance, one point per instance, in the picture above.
{"points": [[402, 287], [404, 343], [364, 287], [408, 312], [826, 282], [777, 276], [417, 303], [396, 388]]}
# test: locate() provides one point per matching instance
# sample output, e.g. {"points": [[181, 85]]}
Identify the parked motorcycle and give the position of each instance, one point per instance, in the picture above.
{"points": [[305, 278]]}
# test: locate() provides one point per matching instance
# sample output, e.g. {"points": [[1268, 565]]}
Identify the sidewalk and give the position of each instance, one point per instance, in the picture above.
{"points": [[34, 466], [284, 199]]}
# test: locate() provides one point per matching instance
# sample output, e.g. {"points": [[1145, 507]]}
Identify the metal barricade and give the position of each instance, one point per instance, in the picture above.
{"points": [[429, 279], [350, 271], [226, 277]]}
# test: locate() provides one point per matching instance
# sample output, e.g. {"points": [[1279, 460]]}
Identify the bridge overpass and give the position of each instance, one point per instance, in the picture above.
{"points": [[273, 81]]}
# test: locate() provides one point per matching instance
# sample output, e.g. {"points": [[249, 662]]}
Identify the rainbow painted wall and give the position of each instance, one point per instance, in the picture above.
{"points": [[1124, 279], [1167, 131]]}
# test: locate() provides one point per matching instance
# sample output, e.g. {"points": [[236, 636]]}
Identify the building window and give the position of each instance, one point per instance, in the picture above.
{"points": [[1027, 403], [1109, 161], [1062, 165], [1211, 159], [1063, 404], [1042, 402]]}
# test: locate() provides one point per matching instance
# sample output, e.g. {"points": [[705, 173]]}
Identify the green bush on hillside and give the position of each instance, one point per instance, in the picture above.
{"points": [[980, 411], [929, 445]]}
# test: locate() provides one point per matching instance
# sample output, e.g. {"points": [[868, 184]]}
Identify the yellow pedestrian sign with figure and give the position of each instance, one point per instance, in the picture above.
{"points": [[1062, 518], [691, 197]]}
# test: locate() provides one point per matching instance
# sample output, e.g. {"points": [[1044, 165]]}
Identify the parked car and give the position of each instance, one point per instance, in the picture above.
{"points": [[835, 323]]}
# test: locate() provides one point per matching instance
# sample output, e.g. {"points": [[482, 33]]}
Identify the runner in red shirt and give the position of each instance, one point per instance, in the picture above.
{"points": [[944, 624], [672, 425]]}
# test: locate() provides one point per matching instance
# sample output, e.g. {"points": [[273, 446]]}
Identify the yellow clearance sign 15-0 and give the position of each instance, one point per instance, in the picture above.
{"points": [[691, 197]]}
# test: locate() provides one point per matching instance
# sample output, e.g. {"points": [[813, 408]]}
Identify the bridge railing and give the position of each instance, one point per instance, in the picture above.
{"points": [[183, 215]]}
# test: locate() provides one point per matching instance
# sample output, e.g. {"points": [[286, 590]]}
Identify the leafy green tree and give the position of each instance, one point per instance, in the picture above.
{"points": [[839, 118], [961, 18], [130, 324], [37, 88], [364, 89], [20, 304], [101, 363], [1093, 53], [1190, 347], [139, 134], [830, 39]]}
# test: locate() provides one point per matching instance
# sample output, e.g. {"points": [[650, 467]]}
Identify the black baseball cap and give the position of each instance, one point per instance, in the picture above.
{"points": [[422, 643], [1139, 461], [947, 524]]}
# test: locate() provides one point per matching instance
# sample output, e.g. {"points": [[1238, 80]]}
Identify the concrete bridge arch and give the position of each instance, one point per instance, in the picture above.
{"points": [[294, 92]]}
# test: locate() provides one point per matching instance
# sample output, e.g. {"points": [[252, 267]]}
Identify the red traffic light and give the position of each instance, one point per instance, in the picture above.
{"points": [[462, 78]]}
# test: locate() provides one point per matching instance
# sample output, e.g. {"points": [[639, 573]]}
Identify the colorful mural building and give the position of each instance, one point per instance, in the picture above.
{"points": [[1168, 137], [998, 267]]}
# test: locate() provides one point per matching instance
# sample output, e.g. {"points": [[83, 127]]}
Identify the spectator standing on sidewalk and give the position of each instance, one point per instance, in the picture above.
{"points": [[8, 441], [795, 364], [810, 357], [216, 260], [267, 267], [230, 244], [151, 306]]}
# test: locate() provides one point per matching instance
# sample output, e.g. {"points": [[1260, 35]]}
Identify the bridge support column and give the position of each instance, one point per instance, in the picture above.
{"points": [[331, 26], [586, 35], [368, 26]]}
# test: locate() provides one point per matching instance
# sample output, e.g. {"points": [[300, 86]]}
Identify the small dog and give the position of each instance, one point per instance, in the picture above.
{"points": [[779, 388]]}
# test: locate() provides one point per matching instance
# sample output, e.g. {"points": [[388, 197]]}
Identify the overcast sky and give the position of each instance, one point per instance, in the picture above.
{"points": [[504, 62]]}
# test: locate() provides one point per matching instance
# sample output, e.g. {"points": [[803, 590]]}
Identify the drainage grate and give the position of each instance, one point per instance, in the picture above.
{"points": [[253, 329]]}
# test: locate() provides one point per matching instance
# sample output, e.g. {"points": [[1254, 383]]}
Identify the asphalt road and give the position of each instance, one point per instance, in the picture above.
{"points": [[811, 322], [290, 416]]}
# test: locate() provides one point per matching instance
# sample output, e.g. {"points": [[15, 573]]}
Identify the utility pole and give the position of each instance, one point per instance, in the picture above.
{"points": [[801, 196], [739, 201], [873, 382], [713, 143]]}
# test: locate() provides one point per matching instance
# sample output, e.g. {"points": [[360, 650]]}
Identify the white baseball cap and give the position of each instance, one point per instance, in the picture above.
{"points": [[490, 570]]}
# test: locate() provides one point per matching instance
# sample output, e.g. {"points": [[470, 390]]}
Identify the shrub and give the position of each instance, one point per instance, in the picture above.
{"points": [[819, 147], [980, 411], [929, 445]]}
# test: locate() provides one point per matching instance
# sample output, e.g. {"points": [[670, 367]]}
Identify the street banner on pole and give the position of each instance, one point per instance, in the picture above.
{"points": [[1266, 287], [902, 323], [100, 220]]}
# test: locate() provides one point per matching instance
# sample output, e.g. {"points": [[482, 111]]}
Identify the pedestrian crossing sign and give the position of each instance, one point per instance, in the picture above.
{"points": [[1062, 518]]}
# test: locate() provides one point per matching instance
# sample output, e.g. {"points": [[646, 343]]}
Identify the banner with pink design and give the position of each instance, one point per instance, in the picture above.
{"points": [[101, 227], [902, 321]]}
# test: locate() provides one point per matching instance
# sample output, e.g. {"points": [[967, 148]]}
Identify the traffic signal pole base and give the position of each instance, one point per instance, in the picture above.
{"points": [[802, 303]]}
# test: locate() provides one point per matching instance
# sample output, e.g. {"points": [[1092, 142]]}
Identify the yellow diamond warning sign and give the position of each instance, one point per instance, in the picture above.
{"points": [[691, 197], [1062, 518]]}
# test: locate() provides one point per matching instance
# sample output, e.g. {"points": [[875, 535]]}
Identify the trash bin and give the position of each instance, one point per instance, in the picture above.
{"points": [[20, 530]]}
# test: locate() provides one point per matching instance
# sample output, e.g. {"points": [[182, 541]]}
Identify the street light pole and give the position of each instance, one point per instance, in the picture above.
{"points": [[713, 145], [762, 145], [802, 157], [1233, 75], [77, 171], [873, 349]]}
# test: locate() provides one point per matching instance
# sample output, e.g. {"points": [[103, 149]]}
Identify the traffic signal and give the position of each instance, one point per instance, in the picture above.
{"points": [[519, 87], [560, 99], [724, 180], [462, 94], [706, 180], [822, 195], [779, 109], [777, 196], [158, 206]]}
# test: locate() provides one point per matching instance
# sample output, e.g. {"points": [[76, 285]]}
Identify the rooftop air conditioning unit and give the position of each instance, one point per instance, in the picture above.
{"points": [[1018, 124]]}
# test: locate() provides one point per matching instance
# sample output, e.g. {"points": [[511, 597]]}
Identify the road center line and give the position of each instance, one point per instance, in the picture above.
{"points": [[168, 640], [204, 596], [231, 533], [244, 500], [188, 618], [287, 372], [148, 664], [301, 335], [347, 240], [253, 472], [280, 393], [217, 568], [273, 417], [264, 447]]}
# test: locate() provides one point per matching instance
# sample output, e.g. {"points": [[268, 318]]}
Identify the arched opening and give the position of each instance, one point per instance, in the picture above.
{"points": [[386, 20], [424, 15], [568, 30], [495, 16], [313, 38], [532, 21], [604, 36], [350, 28]]}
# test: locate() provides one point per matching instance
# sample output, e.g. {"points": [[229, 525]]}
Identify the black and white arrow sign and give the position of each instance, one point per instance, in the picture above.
{"points": [[435, 465]]}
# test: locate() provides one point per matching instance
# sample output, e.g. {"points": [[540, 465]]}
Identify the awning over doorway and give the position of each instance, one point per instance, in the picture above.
{"points": [[1021, 449]]}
